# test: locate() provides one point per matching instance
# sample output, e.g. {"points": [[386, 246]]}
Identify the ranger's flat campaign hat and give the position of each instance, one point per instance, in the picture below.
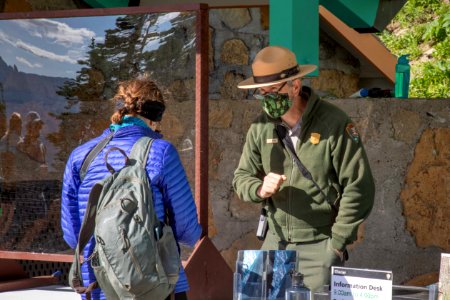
{"points": [[273, 65]]}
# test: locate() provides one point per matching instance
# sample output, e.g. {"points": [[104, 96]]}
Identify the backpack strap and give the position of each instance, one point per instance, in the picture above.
{"points": [[88, 224], [141, 149], [86, 231], [93, 154], [108, 166]]}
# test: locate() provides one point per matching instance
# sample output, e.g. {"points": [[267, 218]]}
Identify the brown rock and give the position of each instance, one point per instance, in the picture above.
{"points": [[406, 124], [177, 126], [250, 113], [172, 127], [360, 237], [264, 11], [229, 89], [336, 83], [182, 90], [234, 52], [215, 157], [426, 195], [220, 115], [235, 18]]}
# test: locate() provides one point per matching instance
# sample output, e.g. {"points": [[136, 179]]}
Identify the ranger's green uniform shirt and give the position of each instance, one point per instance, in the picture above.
{"points": [[330, 148]]}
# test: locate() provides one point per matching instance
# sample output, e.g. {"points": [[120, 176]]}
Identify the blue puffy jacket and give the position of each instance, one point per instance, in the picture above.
{"points": [[171, 191]]}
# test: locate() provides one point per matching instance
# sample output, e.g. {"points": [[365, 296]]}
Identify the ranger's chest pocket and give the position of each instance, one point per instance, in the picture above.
{"points": [[315, 156], [274, 158]]}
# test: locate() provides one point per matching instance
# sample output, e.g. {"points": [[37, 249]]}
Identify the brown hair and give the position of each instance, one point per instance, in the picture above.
{"points": [[135, 94]]}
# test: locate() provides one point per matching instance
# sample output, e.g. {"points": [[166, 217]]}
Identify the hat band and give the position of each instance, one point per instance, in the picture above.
{"points": [[278, 76]]}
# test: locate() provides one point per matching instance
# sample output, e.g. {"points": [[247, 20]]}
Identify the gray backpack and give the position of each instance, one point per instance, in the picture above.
{"points": [[136, 255]]}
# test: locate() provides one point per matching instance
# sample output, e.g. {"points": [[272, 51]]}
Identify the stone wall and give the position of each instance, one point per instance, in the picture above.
{"points": [[407, 145], [238, 34]]}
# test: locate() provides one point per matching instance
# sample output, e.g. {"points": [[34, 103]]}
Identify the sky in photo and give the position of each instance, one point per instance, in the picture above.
{"points": [[52, 47]]}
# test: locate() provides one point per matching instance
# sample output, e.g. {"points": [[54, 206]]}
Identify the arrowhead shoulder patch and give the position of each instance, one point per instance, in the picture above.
{"points": [[352, 132]]}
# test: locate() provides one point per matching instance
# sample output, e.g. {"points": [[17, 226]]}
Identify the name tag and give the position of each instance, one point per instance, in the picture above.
{"points": [[271, 141]]}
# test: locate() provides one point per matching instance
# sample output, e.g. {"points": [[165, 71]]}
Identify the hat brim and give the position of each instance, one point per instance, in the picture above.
{"points": [[249, 83]]}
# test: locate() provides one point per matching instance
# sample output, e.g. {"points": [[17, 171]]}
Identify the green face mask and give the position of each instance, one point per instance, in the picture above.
{"points": [[275, 104]]}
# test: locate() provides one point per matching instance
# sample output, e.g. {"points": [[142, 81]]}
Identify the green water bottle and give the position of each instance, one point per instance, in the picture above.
{"points": [[402, 74]]}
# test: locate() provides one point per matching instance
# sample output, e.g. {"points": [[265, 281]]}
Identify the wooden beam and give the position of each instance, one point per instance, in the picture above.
{"points": [[366, 44], [92, 12], [201, 117], [36, 256], [212, 3]]}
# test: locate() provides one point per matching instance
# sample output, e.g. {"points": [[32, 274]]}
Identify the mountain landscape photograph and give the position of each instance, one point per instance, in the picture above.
{"points": [[66, 70]]}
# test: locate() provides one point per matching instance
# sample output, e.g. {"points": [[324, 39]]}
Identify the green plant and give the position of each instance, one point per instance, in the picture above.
{"points": [[422, 30], [431, 80]]}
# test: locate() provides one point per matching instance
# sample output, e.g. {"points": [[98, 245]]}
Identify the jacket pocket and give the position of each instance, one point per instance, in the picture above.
{"points": [[334, 197]]}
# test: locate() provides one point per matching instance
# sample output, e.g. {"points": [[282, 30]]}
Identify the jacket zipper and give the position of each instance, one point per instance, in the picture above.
{"points": [[294, 165]]}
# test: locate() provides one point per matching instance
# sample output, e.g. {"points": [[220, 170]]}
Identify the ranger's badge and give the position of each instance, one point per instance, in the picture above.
{"points": [[315, 138]]}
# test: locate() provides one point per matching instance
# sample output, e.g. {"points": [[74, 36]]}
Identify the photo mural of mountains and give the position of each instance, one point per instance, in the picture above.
{"points": [[57, 80], [67, 70], [161, 46], [23, 93], [19, 87]]}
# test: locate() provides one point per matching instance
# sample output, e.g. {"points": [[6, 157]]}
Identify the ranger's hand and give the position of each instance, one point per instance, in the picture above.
{"points": [[271, 184]]}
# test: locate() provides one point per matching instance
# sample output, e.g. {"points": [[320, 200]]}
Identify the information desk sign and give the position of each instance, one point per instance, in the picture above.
{"points": [[359, 284]]}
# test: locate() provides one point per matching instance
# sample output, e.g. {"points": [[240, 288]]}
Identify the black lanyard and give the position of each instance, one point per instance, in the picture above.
{"points": [[287, 144]]}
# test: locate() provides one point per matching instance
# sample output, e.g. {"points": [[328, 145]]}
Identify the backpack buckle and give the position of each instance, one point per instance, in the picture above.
{"points": [[159, 230]]}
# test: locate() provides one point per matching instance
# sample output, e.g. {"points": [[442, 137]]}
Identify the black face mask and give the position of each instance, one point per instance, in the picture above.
{"points": [[152, 110]]}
